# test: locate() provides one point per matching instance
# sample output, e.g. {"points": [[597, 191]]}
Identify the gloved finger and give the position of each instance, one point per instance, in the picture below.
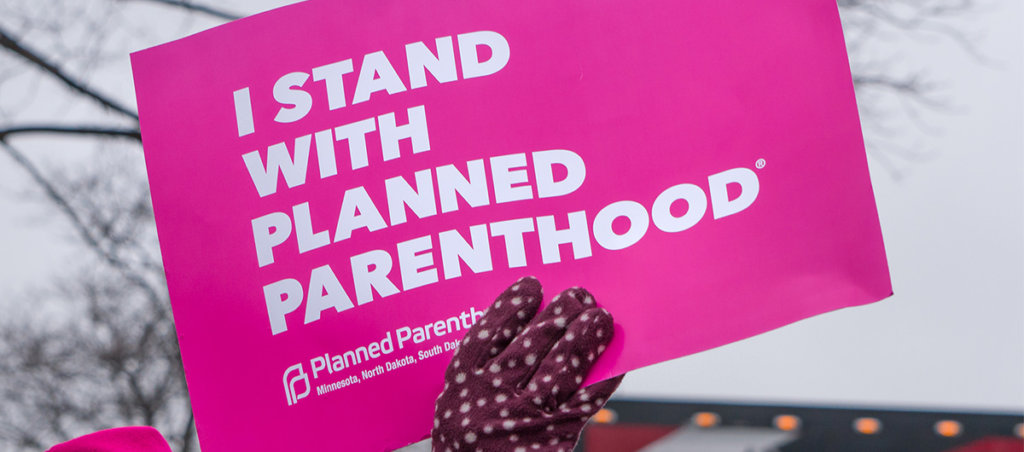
{"points": [[517, 309], [520, 360], [509, 313], [563, 369], [588, 400]]}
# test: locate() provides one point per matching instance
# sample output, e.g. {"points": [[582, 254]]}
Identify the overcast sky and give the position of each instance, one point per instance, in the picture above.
{"points": [[952, 337]]}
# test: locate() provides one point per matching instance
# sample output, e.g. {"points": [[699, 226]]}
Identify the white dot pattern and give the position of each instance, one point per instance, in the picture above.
{"points": [[523, 370]]}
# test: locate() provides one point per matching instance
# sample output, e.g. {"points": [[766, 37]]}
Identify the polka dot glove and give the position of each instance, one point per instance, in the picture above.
{"points": [[514, 382]]}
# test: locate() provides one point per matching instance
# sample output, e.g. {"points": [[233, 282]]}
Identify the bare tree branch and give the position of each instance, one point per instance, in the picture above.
{"points": [[911, 87], [80, 225], [114, 360], [10, 43], [70, 130], [190, 429], [192, 6]]}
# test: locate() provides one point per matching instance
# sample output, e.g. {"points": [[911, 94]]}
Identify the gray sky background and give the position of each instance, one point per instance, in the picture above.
{"points": [[952, 337]]}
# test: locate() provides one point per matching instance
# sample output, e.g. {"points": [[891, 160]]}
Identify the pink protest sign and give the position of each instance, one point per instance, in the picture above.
{"points": [[340, 188]]}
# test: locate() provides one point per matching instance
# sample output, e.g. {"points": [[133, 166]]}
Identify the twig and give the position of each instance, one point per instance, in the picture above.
{"points": [[81, 227], [8, 42], [71, 130]]}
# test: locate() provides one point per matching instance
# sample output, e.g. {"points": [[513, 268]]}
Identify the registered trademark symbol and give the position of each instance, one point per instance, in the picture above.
{"points": [[760, 163]]}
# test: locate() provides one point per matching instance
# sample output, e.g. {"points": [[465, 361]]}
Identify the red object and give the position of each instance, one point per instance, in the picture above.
{"points": [[992, 444], [623, 437], [124, 439]]}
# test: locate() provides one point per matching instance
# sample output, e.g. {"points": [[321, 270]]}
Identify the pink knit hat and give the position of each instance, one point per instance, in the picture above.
{"points": [[124, 439]]}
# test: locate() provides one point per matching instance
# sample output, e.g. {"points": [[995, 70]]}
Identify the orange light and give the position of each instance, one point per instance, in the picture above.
{"points": [[786, 422], [706, 419], [948, 428], [867, 425], [1019, 430], [605, 416]]}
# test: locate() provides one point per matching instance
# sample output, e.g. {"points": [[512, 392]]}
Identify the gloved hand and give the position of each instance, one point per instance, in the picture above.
{"points": [[514, 382]]}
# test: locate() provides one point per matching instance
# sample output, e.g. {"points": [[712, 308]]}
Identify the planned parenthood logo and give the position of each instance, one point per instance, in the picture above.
{"points": [[292, 377]]}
